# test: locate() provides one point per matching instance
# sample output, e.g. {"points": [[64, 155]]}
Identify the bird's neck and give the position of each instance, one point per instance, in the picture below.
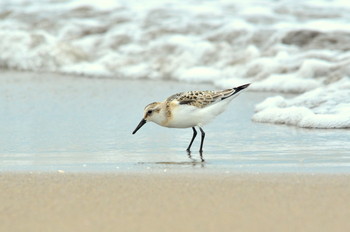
{"points": [[161, 117]]}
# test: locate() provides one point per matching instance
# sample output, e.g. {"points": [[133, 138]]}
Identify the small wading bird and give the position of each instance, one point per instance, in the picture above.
{"points": [[189, 109]]}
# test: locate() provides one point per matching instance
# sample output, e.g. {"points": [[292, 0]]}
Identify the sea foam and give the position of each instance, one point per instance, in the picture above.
{"points": [[280, 46], [323, 107]]}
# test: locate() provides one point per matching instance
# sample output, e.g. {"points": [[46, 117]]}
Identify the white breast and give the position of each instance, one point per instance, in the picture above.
{"points": [[184, 116]]}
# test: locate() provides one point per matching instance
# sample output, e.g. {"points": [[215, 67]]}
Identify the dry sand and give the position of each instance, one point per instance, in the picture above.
{"points": [[174, 202]]}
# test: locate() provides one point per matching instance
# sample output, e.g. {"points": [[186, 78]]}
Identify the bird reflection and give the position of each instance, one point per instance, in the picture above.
{"points": [[193, 162], [189, 154]]}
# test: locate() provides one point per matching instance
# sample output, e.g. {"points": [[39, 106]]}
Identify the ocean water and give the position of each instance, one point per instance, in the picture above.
{"points": [[51, 122], [281, 46]]}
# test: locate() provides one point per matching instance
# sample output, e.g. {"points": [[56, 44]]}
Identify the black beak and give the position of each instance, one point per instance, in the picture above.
{"points": [[143, 122]]}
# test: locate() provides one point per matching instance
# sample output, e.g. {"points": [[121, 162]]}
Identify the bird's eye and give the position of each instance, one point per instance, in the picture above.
{"points": [[149, 112]]}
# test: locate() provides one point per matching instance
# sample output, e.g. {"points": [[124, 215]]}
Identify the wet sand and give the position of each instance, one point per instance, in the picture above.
{"points": [[174, 202]]}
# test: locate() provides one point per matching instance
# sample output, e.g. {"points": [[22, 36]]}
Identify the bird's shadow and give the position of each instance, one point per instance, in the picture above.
{"points": [[192, 162]]}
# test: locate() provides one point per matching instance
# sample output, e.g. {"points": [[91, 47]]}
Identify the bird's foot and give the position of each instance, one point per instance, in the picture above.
{"points": [[201, 156], [189, 154]]}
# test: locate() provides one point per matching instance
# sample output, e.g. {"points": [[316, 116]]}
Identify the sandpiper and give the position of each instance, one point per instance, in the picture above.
{"points": [[189, 109]]}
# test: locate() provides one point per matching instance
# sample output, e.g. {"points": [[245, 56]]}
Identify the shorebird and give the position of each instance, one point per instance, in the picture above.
{"points": [[189, 109]]}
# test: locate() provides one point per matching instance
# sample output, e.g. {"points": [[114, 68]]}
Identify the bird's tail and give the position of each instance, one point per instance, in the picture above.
{"points": [[239, 88], [236, 90]]}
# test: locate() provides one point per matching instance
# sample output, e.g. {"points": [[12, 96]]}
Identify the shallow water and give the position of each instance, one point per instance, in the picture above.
{"points": [[50, 122]]}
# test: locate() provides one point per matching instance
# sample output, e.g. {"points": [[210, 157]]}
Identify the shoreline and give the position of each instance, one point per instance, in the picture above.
{"points": [[154, 202], [62, 122]]}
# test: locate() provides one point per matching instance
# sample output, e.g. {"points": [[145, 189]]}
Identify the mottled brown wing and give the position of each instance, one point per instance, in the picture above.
{"points": [[199, 99], [175, 96]]}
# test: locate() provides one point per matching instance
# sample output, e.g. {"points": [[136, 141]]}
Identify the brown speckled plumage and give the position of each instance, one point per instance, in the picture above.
{"points": [[200, 99], [168, 110]]}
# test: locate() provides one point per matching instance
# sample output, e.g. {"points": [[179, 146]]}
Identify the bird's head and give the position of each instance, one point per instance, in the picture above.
{"points": [[152, 113]]}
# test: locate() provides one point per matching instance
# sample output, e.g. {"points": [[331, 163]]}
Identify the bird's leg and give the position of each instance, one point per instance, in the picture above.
{"points": [[201, 148], [193, 137], [201, 155]]}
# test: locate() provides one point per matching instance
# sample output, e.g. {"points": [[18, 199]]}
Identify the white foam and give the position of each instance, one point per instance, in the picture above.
{"points": [[324, 107], [279, 46], [200, 74], [287, 83]]}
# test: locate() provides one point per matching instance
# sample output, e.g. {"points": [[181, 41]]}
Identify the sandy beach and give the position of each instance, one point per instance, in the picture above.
{"points": [[174, 202]]}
